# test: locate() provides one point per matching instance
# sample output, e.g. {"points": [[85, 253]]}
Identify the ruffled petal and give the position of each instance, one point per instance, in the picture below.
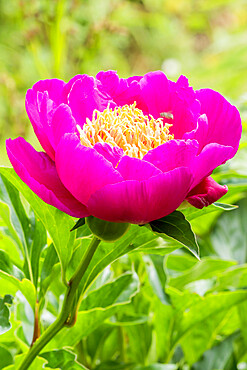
{"points": [[41, 101], [122, 91], [38, 171], [67, 87], [161, 95], [224, 122], [112, 154], [173, 154], [212, 156], [53, 87], [200, 132], [136, 169], [84, 97], [40, 109], [206, 193], [81, 169], [140, 202]]}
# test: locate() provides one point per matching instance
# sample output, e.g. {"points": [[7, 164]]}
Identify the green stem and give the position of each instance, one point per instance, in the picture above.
{"points": [[67, 308]]}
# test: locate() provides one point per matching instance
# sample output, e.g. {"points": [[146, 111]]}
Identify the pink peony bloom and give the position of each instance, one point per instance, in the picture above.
{"points": [[125, 150]]}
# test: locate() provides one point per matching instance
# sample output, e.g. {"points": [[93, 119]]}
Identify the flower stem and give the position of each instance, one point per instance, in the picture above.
{"points": [[36, 331], [67, 309]]}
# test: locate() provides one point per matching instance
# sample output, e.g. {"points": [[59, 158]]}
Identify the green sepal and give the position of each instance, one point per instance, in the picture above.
{"points": [[105, 230], [79, 223]]}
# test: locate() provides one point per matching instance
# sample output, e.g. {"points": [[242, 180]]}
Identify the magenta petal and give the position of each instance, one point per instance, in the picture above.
{"points": [[38, 107], [173, 154], [53, 87], [122, 91], [83, 170], [206, 193], [155, 91], [111, 83], [136, 169], [200, 133], [38, 171], [68, 86], [224, 122], [212, 156], [62, 122], [84, 97], [161, 95], [113, 154], [140, 202]]}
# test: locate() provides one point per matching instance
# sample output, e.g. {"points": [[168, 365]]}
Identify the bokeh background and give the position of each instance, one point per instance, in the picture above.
{"points": [[204, 39]]}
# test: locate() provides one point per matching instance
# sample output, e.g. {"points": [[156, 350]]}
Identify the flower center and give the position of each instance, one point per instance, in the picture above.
{"points": [[126, 127]]}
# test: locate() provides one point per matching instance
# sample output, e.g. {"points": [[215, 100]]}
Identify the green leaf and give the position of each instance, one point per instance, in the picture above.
{"points": [[12, 285], [37, 240], [163, 320], [228, 238], [113, 365], [157, 367], [98, 306], [137, 239], [62, 359], [157, 276], [9, 246], [224, 206], [13, 214], [209, 332], [51, 259], [28, 233], [207, 268], [177, 227], [242, 309], [140, 340], [38, 363], [4, 316], [192, 213], [6, 357], [57, 223], [219, 357], [5, 263], [199, 309], [126, 320]]}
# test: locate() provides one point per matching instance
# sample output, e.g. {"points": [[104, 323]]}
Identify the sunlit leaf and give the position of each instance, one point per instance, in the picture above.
{"points": [[4, 315], [62, 359], [57, 223], [38, 363], [98, 306], [25, 286]]}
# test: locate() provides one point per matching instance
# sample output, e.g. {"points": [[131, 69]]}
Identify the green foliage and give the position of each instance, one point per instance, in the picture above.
{"points": [[177, 227], [57, 223], [62, 359], [4, 314], [148, 303], [156, 307]]}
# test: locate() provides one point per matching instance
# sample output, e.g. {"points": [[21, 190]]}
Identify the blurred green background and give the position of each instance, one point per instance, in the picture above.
{"points": [[205, 40]]}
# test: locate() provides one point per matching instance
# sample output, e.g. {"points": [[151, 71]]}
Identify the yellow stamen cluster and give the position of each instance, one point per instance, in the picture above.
{"points": [[126, 127]]}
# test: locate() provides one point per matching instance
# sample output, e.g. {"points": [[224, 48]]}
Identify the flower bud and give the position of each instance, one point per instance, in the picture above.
{"points": [[106, 230]]}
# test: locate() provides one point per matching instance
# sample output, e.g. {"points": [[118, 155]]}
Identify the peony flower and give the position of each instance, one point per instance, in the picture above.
{"points": [[125, 150]]}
